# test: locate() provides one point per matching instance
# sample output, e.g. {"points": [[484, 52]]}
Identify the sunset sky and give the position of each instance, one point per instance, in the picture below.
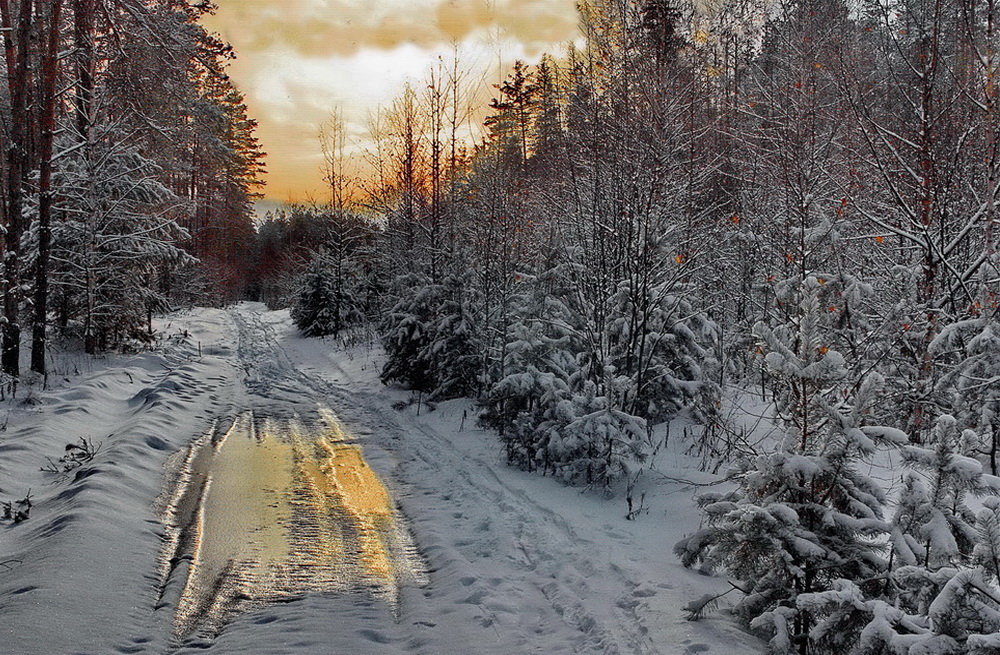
{"points": [[299, 60]]}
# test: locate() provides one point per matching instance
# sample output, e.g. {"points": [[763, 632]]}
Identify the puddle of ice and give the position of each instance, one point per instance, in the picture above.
{"points": [[272, 510]]}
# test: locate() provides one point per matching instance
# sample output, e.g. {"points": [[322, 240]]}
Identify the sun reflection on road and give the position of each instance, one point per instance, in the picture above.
{"points": [[279, 511]]}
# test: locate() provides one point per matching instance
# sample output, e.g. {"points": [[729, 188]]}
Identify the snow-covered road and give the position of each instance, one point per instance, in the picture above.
{"points": [[516, 563]]}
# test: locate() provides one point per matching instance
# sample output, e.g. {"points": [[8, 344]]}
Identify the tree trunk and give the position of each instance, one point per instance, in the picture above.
{"points": [[89, 338], [16, 39], [50, 70]]}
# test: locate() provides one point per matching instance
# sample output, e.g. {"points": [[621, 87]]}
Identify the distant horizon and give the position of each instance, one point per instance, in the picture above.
{"points": [[264, 205]]}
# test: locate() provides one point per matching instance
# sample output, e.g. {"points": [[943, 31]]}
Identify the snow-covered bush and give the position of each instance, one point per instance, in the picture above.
{"points": [[430, 337], [804, 516], [329, 298]]}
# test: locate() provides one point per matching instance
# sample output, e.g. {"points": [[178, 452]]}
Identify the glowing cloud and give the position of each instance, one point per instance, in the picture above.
{"points": [[301, 59]]}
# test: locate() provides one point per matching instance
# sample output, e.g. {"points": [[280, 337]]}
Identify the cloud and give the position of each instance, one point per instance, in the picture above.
{"points": [[317, 28], [298, 60]]}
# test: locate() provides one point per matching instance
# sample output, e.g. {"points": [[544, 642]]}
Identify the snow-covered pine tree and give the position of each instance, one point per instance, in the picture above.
{"points": [[935, 526], [961, 616], [454, 345], [943, 596], [431, 338], [313, 312], [662, 345], [601, 442], [972, 383], [406, 332], [912, 370], [803, 515], [530, 400], [329, 297], [118, 232], [936, 535], [522, 405]]}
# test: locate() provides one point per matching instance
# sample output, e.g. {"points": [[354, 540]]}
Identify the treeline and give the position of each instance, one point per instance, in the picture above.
{"points": [[797, 196], [128, 173]]}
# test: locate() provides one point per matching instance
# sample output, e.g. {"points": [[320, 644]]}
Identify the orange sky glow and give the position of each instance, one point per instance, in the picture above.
{"points": [[298, 61]]}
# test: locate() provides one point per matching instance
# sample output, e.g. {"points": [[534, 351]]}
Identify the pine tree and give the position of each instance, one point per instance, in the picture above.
{"points": [[511, 124], [119, 232], [327, 303], [530, 401], [803, 516], [660, 348], [972, 383], [406, 332], [941, 594], [936, 524], [548, 142], [431, 337], [454, 344]]}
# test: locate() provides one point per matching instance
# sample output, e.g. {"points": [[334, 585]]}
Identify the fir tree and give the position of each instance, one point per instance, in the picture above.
{"points": [[328, 299], [803, 516]]}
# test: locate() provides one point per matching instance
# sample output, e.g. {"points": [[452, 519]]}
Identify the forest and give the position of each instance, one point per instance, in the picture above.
{"points": [[128, 174], [796, 200], [696, 204]]}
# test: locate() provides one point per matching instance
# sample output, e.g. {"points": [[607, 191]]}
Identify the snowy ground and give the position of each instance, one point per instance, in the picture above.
{"points": [[517, 563]]}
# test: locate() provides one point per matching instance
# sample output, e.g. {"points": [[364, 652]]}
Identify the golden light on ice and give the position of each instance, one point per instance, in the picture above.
{"points": [[270, 510]]}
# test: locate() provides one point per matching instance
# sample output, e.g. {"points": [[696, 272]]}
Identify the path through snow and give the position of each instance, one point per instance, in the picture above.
{"points": [[269, 511], [516, 563]]}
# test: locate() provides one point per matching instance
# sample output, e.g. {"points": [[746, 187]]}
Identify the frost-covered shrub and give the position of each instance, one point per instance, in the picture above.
{"points": [[430, 337], [329, 298], [803, 516]]}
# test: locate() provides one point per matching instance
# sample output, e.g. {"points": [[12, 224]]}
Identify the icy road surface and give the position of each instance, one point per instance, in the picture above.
{"points": [[269, 511], [259, 493]]}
